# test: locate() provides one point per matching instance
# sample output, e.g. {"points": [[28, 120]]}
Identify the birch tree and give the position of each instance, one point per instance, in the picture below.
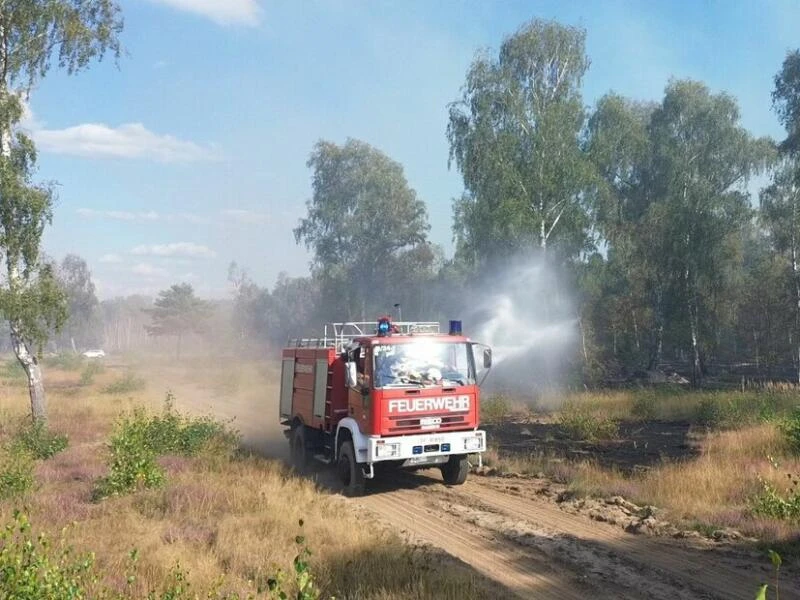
{"points": [[780, 201], [702, 160], [514, 135], [36, 35], [780, 212]]}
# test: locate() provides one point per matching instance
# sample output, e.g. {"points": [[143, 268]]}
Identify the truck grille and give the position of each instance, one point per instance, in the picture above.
{"points": [[401, 424]]}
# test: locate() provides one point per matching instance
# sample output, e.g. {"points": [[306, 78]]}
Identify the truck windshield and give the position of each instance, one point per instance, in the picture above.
{"points": [[423, 363]]}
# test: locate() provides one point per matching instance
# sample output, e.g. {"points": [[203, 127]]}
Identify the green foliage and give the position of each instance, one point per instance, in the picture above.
{"points": [[735, 409], [514, 135], [770, 502], [302, 577], [645, 406], [68, 361], [177, 311], [495, 409], [363, 224], [90, 371], [16, 471], [126, 384], [579, 422], [41, 443], [786, 101], [140, 438], [13, 371], [32, 567], [790, 427], [776, 561], [132, 463], [82, 325]]}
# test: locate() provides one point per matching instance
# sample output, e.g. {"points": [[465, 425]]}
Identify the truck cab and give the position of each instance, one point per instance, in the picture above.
{"points": [[402, 395]]}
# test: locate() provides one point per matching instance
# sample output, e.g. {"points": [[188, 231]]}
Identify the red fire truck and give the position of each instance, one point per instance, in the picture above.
{"points": [[384, 395]]}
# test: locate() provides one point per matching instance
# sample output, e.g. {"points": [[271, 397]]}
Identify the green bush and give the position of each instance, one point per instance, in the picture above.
{"points": [[40, 442], [770, 502], [16, 472], [132, 463], [731, 410], [139, 438], [580, 423], [495, 409], [89, 372], [31, 568], [790, 427], [644, 407], [125, 385]]}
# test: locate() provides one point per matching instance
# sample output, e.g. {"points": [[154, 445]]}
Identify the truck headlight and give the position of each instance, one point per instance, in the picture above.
{"points": [[387, 450], [473, 443]]}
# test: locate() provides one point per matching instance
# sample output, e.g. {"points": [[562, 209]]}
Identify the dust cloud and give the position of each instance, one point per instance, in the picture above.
{"points": [[241, 392]]}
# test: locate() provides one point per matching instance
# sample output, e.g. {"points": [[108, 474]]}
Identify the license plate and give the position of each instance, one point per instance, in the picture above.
{"points": [[430, 422]]}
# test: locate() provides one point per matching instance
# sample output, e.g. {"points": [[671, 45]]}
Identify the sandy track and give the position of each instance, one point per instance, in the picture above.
{"points": [[536, 550], [525, 575]]}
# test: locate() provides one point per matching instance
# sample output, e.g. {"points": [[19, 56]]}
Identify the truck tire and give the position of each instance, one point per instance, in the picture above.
{"points": [[454, 471], [300, 454], [350, 472]]}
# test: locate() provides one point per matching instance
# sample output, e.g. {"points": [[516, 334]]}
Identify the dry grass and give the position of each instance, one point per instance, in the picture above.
{"points": [[236, 519], [715, 488]]}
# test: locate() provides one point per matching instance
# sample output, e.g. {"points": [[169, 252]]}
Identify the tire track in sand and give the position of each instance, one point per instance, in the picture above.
{"points": [[705, 571], [525, 573]]}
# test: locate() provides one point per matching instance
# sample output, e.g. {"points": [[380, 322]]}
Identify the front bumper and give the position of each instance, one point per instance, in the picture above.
{"points": [[425, 448]]}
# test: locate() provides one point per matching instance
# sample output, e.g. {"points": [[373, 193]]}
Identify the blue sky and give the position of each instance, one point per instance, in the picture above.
{"points": [[192, 153]]}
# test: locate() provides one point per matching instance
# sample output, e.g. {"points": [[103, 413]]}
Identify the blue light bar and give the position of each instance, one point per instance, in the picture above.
{"points": [[417, 450], [445, 447], [455, 327]]}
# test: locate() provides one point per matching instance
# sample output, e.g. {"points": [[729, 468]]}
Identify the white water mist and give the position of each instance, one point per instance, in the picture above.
{"points": [[528, 318]]}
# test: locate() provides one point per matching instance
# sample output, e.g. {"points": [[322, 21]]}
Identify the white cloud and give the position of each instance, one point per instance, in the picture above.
{"points": [[143, 216], [224, 12], [118, 215], [248, 217], [148, 270], [176, 249], [111, 259], [131, 140]]}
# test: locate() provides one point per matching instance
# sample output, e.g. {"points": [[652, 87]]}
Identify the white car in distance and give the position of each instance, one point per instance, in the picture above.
{"points": [[94, 354]]}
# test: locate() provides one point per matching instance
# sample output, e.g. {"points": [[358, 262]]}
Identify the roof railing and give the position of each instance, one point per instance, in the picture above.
{"points": [[339, 335]]}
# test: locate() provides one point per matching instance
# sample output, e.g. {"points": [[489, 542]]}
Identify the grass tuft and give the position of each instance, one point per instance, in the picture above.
{"points": [[582, 422], [126, 384]]}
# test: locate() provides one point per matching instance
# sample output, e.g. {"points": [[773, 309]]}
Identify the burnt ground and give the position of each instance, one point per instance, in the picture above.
{"points": [[639, 445]]}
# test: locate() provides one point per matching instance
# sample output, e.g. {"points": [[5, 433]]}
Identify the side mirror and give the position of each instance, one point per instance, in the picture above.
{"points": [[487, 358], [351, 374]]}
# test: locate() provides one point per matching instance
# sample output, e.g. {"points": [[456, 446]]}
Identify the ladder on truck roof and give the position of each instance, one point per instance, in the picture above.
{"points": [[339, 335]]}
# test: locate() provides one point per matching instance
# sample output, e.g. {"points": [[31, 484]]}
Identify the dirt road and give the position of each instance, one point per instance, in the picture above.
{"points": [[534, 549]]}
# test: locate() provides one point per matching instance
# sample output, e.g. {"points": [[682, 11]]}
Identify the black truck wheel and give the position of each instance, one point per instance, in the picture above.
{"points": [[350, 472], [454, 471], [300, 455]]}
